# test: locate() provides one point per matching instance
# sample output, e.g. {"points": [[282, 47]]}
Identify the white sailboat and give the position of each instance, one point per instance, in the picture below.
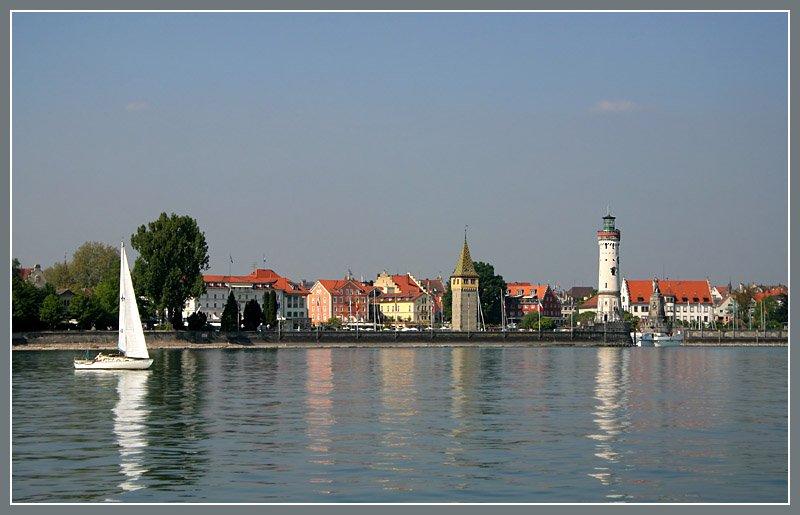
{"points": [[133, 353]]}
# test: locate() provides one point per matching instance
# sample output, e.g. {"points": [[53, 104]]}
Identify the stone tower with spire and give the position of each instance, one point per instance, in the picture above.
{"points": [[464, 285]]}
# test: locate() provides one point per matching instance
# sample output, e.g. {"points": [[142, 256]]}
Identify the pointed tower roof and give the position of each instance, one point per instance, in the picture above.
{"points": [[465, 266]]}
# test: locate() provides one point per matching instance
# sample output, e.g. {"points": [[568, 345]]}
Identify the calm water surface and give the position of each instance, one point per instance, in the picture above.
{"points": [[405, 425]]}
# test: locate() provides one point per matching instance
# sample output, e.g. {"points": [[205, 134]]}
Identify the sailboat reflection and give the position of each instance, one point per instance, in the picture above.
{"points": [[612, 394], [129, 426]]}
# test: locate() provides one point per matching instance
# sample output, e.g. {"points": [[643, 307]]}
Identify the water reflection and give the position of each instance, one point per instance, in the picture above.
{"points": [[611, 415], [318, 416], [398, 389], [130, 414]]}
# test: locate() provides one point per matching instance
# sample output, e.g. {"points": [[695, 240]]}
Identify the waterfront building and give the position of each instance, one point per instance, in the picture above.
{"points": [[724, 309], [410, 300], [347, 300], [608, 287], [523, 298], [406, 308], [290, 296], [689, 302], [464, 285]]}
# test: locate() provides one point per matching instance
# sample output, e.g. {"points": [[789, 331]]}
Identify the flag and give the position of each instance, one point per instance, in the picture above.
{"points": [[231, 258]]}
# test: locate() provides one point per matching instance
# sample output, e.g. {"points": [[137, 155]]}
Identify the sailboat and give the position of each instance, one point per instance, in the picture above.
{"points": [[131, 343]]}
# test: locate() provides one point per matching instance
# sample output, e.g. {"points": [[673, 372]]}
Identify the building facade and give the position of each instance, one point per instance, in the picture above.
{"points": [[523, 298], [347, 300], [690, 302], [291, 297], [464, 285]]}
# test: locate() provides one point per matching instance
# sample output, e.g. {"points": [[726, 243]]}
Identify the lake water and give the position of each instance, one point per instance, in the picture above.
{"points": [[430, 425]]}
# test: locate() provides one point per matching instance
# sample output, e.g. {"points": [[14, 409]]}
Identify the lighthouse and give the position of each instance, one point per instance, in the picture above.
{"points": [[609, 307]]}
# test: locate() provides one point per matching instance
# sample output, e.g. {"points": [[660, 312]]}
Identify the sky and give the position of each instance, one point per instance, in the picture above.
{"points": [[318, 144]]}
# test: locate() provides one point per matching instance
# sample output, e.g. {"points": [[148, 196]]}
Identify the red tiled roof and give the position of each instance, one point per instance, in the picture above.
{"points": [[591, 303], [527, 289], [683, 291], [405, 284], [400, 297], [260, 276], [334, 285], [772, 292]]}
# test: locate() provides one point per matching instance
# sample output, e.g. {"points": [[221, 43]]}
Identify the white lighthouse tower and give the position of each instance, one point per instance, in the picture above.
{"points": [[609, 307]]}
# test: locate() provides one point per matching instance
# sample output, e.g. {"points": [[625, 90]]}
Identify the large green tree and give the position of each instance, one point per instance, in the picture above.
{"points": [[92, 263], [491, 288], [169, 269], [52, 311]]}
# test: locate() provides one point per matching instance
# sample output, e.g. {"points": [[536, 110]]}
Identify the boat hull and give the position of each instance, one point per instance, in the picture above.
{"points": [[658, 340], [113, 363]]}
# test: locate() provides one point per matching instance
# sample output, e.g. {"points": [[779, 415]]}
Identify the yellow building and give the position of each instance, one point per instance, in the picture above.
{"points": [[407, 309]]}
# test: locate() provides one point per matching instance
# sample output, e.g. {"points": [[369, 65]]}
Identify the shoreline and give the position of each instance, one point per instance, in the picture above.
{"points": [[183, 345]]}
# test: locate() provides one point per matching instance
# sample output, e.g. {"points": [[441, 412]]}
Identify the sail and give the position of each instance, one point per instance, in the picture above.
{"points": [[131, 336]]}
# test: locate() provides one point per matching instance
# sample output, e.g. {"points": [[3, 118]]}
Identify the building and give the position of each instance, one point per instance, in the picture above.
{"points": [[690, 302], [523, 298], [411, 308], [290, 296], [608, 286], [464, 285], [410, 300], [572, 298], [347, 300], [34, 275]]}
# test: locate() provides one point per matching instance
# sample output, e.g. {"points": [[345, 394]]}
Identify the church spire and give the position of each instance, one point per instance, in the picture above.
{"points": [[465, 267]]}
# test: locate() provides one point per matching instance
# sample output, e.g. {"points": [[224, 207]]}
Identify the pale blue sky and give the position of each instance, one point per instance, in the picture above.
{"points": [[366, 141]]}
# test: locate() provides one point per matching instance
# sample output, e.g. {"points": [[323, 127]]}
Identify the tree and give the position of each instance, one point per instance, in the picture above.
{"points": [[631, 320], [743, 297], [334, 322], [447, 304], [491, 287], [230, 315], [197, 321], [252, 315], [172, 257], [532, 321], [93, 262], [270, 314], [59, 276], [781, 313], [585, 318], [88, 312], [52, 311], [26, 300], [106, 298]]}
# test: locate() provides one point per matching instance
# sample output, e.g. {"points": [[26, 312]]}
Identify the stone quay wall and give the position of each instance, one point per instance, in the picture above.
{"points": [[199, 339], [156, 339]]}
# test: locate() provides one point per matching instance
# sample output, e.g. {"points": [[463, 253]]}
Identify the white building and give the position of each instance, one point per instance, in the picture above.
{"points": [[290, 296], [608, 285], [690, 302]]}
